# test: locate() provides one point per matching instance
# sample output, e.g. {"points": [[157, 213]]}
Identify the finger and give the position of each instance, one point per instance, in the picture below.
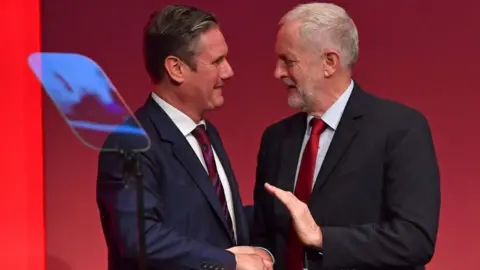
{"points": [[233, 250], [279, 193], [268, 265], [264, 255], [242, 249], [273, 189], [287, 198]]}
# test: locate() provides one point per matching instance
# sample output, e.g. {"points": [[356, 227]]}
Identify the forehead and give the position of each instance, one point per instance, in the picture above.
{"points": [[288, 38], [211, 44]]}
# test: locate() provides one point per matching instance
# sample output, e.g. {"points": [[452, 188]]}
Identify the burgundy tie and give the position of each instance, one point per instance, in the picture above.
{"points": [[201, 135], [303, 189]]}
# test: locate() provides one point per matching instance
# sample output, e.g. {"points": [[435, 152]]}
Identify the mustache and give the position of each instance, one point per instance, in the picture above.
{"points": [[289, 82], [219, 84]]}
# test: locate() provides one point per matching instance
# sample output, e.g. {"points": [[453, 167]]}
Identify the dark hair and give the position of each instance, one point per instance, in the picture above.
{"points": [[173, 30]]}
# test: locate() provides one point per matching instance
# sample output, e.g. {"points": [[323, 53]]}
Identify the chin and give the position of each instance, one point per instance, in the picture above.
{"points": [[218, 102], [295, 101], [215, 99]]}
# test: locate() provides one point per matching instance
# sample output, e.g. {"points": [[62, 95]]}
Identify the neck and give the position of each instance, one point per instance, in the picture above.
{"points": [[168, 94], [328, 96]]}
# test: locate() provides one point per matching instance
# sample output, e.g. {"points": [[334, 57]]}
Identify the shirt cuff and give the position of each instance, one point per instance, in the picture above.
{"points": [[269, 253]]}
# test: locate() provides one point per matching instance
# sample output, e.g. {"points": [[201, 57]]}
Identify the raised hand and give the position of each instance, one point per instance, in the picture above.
{"points": [[307, 229]]}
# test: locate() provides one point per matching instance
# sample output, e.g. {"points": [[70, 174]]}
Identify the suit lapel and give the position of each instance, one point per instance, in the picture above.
{"points": [[185, 155], [343, 137], [236, 200], [290, 153]]}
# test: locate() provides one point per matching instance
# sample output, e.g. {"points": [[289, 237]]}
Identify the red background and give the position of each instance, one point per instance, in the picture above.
{"points": [[21, 159], [422, 53]]}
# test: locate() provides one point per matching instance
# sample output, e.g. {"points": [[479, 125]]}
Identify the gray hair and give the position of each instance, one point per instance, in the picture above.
{"points": [[328, 26], [174, 30]]}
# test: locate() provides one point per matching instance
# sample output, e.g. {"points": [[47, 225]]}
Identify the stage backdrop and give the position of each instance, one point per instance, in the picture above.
{"points": [[422, 53]]}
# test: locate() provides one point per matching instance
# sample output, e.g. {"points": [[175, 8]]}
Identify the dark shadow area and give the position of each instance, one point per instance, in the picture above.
{"points": [[249, 212]]}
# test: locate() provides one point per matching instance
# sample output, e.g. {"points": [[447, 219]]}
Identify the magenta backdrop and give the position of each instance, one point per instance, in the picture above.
{"points": [[422, 53]]}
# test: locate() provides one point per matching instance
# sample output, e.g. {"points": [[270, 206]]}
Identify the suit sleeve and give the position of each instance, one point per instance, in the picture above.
{"points": [[259, 233], [165, 246], [412, 186]]}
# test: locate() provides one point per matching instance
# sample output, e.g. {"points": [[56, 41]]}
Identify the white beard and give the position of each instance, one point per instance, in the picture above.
{"points": [[299, 99], [295, 100]]}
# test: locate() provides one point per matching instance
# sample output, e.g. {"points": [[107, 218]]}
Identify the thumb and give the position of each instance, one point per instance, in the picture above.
{"points": [[271, 189], [268, 264]]}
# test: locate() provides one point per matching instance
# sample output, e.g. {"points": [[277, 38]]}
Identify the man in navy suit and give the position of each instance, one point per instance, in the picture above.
{"points": [[192, 208]]}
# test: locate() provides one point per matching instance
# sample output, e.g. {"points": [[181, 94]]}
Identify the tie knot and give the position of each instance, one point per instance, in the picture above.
{"points": [[317, 126], [201, 134]]}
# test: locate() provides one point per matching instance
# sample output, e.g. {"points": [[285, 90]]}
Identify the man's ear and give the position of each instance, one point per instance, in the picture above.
{"points": [[332, 63], [175, 69]]}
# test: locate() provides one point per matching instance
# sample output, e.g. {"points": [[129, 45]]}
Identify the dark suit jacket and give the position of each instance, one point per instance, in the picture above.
{"points": [[377, 195], [184, 228]]}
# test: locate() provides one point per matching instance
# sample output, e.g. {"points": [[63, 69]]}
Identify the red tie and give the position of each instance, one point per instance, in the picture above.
{"points": [[202, 137], [303, 189]]}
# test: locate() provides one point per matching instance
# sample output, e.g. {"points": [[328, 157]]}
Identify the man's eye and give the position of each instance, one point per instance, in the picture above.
{"points": [[289, 62], [218, 61]]}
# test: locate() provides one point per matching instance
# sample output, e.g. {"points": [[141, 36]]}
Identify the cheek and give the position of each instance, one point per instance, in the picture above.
{"points": [[204, 79], [208, 81], [303, 74], [295, 74], [217, 76], [210, 77]]}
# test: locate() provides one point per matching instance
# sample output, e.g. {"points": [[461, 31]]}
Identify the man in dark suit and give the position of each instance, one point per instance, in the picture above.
{"points": [[351, 181], [192, 208]]}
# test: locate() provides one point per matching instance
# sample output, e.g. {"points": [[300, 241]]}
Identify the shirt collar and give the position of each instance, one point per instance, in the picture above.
{"points": [[184, 123], [333, 115]]}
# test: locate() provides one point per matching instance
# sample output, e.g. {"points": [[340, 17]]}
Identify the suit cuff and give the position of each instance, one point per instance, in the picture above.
{"points": [[316, 250], [314, 254], [269, 253]]}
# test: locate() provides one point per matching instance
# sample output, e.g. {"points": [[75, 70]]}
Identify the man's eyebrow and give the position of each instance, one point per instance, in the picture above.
{"points": [[286, 57]]}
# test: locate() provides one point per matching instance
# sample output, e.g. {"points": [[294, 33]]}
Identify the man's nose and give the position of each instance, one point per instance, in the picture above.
{"points": [[227, 70], [279, 71]]}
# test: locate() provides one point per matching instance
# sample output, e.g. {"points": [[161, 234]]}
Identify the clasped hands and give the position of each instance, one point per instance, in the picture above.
{"points": [[252, 258], [309, 233]]}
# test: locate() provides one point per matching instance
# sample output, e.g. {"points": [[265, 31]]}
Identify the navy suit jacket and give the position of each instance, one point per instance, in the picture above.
{"points": [[184, 225]]}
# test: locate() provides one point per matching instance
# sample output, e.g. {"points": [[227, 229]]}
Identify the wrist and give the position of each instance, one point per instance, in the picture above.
{"points": [[317, 238]]}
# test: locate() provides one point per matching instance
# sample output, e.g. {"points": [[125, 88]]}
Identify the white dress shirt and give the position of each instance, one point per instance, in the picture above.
{"points": [[331, 118], [186, 125]]}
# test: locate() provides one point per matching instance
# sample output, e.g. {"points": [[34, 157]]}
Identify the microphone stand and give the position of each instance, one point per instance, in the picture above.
{"points": [[60, 63], [133, 168]]}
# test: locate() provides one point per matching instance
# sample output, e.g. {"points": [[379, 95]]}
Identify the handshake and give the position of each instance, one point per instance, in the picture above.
{"points": [[252, 258], [309, 233]]}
